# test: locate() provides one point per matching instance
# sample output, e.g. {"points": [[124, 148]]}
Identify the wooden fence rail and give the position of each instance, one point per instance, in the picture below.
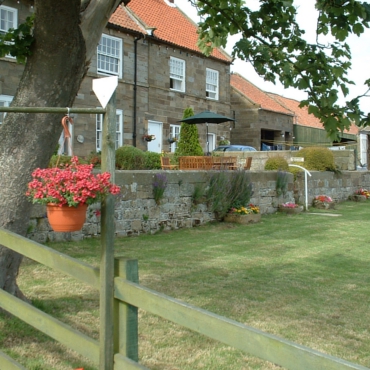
{"points": [[257, 343], [129, 296]]}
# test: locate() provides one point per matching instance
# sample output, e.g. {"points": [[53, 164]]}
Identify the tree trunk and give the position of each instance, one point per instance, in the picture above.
{"points": [[51, 78]]}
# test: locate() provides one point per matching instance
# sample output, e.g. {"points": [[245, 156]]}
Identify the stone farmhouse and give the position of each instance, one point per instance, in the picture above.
{"points": [[152, 47], [261, 121], [272, 122], [309, 130]]}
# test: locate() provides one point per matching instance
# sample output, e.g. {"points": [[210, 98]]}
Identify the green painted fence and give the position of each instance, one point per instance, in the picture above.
{"points": [[129, 296]]}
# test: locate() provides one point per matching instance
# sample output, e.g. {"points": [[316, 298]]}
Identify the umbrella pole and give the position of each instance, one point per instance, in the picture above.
{"points": [[207, 139]]}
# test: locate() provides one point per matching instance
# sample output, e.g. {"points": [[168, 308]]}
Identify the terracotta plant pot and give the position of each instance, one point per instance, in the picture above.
{"points": [[65, 218]]}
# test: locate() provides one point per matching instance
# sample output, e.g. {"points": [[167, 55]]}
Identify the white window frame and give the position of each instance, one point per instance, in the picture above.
{"points": [[119, 130], [14, 22], [212, 84], [110, 56], [5, 101], [175, 132], [177, 74], [211, 142]]}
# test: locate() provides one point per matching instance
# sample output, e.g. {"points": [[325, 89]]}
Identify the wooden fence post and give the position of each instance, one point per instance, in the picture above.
{"points": [[106, 361], [125, 315]]}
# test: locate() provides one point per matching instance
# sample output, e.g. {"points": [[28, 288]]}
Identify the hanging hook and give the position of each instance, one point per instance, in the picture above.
{"points": [[67, 112]]}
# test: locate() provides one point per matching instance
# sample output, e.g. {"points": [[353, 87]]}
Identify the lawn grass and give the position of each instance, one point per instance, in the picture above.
{"points": [[303, 277]]}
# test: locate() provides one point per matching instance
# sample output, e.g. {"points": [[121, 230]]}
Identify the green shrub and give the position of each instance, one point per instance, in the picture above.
{"points": [[224, 142], [62, 160], [318, 159], [189, 141], [94, 158], [295, 170], [198, 193], [130, 158], [152, 160], [236, 191], [276, 163], [281, 183], [159, 186]]}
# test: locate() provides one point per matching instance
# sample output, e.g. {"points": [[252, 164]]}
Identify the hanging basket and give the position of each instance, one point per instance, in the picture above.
{"points": [[65, 218], [148, 137]]}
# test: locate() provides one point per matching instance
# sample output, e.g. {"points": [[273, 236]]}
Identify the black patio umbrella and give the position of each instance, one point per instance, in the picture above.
{"points": [[206, 117]]}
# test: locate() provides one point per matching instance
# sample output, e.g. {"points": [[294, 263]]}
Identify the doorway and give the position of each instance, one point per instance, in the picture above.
{"points": [[155, 128]]}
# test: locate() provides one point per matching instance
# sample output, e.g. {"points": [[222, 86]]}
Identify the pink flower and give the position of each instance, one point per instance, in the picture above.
{"points": [[75, 184], [289, 205]]}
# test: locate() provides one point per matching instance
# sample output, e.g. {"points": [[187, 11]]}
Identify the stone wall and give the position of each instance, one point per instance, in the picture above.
{"points": [[344, 159], [136, 211], [252, 121]]}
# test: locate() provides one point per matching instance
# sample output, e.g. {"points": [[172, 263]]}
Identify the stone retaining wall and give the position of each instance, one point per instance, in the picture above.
{"points": [[344, 159], [136, 211]]}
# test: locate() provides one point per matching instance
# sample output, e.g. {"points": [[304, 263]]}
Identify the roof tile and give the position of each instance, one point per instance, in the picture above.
{"points": [[257, 96], [303, 118], [170, 23]]}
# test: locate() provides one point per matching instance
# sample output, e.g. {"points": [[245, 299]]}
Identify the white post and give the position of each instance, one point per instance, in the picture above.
{"points": [[306, 172]]}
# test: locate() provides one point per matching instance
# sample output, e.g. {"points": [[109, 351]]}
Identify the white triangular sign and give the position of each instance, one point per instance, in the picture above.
{"points": [[104, 89]]}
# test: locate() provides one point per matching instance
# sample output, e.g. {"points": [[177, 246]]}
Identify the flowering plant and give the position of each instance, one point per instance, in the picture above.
{"points": [[172, 140], [72, 185], [149, 137], [364, 192], [324, 198], [159, 186], [251, 208], [289, 205]]}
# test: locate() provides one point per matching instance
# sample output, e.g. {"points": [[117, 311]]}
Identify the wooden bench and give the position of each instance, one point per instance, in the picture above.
{"points": [[195, 163], [208, 163], [225, 163]]}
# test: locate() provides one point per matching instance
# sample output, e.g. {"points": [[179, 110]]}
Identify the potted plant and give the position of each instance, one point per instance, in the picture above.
{"points": [[172, 140], [149, 137], [290, 208], [68, 191], [244, 214], [360, 195], [323, 202]]}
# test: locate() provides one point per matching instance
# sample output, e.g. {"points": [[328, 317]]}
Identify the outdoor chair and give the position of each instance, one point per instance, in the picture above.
{"points": [[248, 163], [166, 164]]}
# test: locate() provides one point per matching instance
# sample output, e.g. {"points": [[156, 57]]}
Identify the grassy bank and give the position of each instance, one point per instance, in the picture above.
{"points": [[304, 277]]}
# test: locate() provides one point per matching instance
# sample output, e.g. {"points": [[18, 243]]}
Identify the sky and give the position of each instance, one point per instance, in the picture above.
{"points": [[306, 19]]}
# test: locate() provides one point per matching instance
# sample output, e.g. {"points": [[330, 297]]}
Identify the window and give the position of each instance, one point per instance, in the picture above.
{"points": [[175, 134], [5, 101], [110, 56], [177, 74], [212, 84], [119, 130], [8, 18]]}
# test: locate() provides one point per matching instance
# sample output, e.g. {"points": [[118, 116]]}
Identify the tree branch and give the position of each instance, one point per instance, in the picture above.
{"points": [[93, 20]]}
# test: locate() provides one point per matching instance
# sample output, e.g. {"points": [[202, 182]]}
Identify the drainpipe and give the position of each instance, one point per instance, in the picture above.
{"points": [[135, 91]]}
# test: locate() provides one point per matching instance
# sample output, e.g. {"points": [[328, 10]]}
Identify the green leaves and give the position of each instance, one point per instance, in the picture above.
{"points": [[274, 44], [17, 42]]}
